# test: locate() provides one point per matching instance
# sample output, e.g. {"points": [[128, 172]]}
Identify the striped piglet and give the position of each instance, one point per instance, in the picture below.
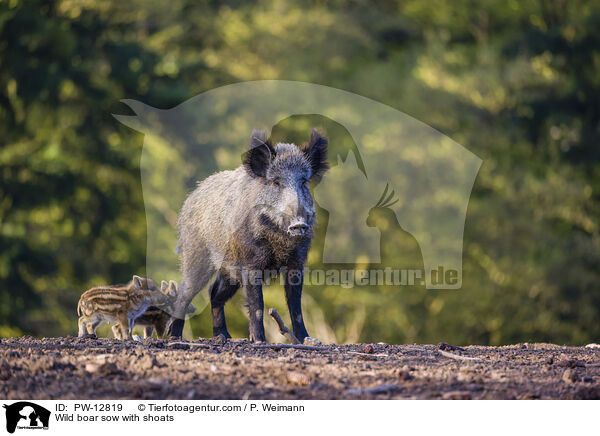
{"points": [[123, 304], [154, 319]]}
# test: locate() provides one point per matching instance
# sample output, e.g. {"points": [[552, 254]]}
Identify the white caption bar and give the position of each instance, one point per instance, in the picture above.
{"points": [[296, 417]]}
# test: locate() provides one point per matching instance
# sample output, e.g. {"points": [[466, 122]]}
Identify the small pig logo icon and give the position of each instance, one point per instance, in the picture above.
{"points": [[28, 415]]}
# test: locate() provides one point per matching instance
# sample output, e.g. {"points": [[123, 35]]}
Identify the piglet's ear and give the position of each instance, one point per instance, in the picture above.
{"points": [[261, 153], [138, 282], [172, 291], [164, 286], [316, 153]]}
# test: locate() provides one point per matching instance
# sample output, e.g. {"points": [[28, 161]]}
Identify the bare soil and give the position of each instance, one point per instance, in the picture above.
{"points": [[90, 368]]}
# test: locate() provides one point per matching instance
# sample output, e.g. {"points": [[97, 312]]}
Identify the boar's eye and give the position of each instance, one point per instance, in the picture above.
{"points": [[277, 182]]}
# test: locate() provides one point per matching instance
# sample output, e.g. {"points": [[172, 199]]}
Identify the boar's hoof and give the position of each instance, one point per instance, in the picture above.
{"points": [[257, 341], [221, 332], [311, 341], [258, 338], [221, 338]]}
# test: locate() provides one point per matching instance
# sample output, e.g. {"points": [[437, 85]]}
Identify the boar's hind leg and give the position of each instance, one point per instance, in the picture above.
{"points": [[293, 295], [177, 327], [256, 308], [221, 290], [194, 279]]}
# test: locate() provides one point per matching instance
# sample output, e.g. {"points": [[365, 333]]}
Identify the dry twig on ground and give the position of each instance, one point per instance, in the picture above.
{"points": [[456, 356], [367, 355], [282, 328], [294, 346]]}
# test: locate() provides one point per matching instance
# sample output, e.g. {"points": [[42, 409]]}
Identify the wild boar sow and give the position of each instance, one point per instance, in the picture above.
{"points": [[244, 224]]}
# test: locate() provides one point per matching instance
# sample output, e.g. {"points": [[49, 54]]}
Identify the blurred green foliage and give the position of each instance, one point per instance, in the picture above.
{"points": [[517, 83]]}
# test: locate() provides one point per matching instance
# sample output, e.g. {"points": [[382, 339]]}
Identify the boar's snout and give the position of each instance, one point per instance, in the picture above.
{"points": [[298, 228]]}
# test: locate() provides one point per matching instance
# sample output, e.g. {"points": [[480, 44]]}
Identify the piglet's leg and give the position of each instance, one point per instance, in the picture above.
{"points": [[82, 326], [116, 331], [123, 322], [160, 327], [93, 326]]}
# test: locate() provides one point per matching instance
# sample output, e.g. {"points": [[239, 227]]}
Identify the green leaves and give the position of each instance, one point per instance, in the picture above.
{"points": [[515, 83]]}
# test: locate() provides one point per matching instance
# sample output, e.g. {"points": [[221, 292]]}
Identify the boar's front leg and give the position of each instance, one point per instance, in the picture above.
{"points": [[293, 296], [256, 307]]}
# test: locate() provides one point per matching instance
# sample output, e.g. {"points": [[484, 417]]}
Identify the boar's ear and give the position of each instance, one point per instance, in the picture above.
{"points": [[261, 153], [164, 286], [316, 153], [172, 291], [138, 282]]}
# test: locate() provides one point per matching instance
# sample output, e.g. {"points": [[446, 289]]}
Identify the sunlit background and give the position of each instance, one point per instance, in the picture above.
{"points": [[516, 83]]}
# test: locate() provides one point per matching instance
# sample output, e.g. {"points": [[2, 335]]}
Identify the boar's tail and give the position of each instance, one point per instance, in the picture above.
{"points": [[79, 308]]}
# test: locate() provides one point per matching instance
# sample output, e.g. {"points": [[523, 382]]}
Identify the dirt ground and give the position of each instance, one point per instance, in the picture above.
{"points": [[90, 368]]}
